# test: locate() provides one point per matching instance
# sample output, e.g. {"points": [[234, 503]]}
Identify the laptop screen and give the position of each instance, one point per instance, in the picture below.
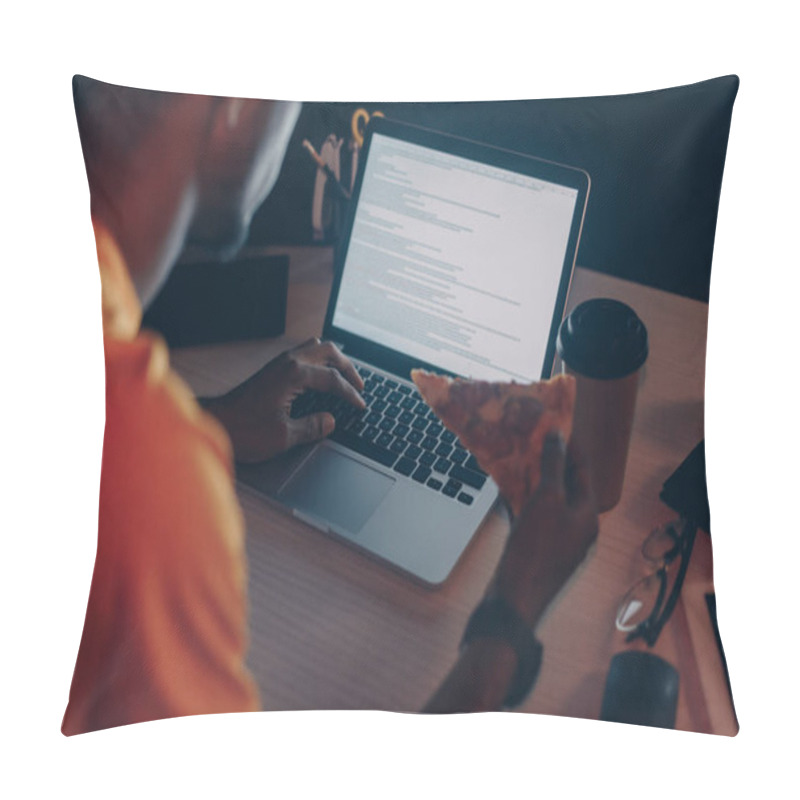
{"points": [[455, 262]]}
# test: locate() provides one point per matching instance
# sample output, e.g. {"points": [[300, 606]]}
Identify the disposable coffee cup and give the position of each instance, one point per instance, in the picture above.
{"points": [[604, 345]]}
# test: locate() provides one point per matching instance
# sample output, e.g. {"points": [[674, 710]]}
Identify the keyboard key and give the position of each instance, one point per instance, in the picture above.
{"points": [[432, 415], [386, 424], [408, 403], [422, 474], [473, 479], [442, 465], [415, 437], [365, 447], [397, 446], [394, 397], [465, 498], [384, 440], [311, 403], [370, 433], [434, 429], [405, 466], [434, 484], [406, 417], [319, 399], [404, 389], [459, 456], [400, 430], [390, 383], [428, 443], [379, 405], [444, 450], [382, 391], [451, 488], [373, 418], [421, 410], [412, 451], [473, 464], [393, 412], [448, 436], [345, 415], [358, 426], [377, 378], [427, 459], [420, 423], [301, 405], [364, 372]]}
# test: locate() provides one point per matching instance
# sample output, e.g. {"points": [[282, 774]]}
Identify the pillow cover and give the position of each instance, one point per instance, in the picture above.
{"points": [[187, 614]]}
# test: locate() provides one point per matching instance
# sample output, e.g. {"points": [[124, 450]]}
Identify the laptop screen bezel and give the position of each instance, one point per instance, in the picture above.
{"points": [[399, 363]]}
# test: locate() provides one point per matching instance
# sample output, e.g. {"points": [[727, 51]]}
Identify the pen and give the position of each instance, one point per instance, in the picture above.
{"points": [[326, 169]]}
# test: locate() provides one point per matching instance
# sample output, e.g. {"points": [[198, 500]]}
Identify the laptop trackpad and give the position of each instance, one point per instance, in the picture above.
{"points": [[337, 489]]}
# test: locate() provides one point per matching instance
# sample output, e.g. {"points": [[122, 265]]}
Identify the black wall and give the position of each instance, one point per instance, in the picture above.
{"points": [[655, 159]]}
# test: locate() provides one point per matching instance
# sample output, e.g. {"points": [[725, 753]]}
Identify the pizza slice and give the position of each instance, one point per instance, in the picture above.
{"points": [[503, 424]]}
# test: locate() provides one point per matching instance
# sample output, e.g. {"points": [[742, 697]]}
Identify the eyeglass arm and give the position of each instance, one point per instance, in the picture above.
{"points": [[651, 628]]}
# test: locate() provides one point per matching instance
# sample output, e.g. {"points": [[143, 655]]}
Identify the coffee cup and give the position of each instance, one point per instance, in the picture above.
{"points": [[603, 343]]}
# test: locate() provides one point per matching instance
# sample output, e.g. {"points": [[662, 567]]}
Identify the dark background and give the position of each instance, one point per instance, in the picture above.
{"points": [[655, 160]]}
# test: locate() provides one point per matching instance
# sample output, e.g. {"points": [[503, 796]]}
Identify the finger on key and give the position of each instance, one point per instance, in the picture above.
{"points": [[329, 379], [327, 353]]}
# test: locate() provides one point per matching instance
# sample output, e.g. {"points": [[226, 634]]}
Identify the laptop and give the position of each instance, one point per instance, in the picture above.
{"points": [[455, 257]]}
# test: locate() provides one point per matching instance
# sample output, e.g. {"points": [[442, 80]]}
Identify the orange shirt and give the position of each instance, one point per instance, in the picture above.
{"points": [[166, 625]]}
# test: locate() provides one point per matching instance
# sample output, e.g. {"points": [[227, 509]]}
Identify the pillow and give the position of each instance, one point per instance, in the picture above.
{"points": [[188, 615]]}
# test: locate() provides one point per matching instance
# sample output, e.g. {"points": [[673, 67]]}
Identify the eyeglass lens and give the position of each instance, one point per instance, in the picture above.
{"points": [[643, 611]]}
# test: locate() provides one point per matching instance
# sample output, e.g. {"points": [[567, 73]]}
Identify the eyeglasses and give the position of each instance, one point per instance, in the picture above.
{"points": [[648, 605]]}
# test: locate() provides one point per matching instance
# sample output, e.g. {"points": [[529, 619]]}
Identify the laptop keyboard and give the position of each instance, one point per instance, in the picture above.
{"points": [[399, 430]]}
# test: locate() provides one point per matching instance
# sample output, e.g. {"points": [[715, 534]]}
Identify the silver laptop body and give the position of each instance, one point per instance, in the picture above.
{"points": [[455, 257]]}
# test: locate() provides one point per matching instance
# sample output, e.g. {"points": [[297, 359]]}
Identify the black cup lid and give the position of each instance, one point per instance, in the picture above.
{"points": [[604, 339]]}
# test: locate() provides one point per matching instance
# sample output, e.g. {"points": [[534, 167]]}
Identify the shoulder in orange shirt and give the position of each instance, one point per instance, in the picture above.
{"points": [[166, 625]]}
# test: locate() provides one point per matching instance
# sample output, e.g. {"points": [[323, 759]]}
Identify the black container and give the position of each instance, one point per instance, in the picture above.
{"points": [[641, 689]]}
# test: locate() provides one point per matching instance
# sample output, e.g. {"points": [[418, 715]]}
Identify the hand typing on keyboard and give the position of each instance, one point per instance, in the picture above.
{"points": [[258, 414], [398, 429]]}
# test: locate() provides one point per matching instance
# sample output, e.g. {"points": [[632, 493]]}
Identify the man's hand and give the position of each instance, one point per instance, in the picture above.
{"points": [[256, 413], [551, 536]]}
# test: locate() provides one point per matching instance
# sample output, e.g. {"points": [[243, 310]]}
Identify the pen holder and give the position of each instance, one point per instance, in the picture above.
{"points": [[331, 218], [330, 194]]}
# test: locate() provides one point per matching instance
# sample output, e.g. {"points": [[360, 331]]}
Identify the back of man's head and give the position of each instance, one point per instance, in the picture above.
{"points": [[113, 120], [168, 168]]}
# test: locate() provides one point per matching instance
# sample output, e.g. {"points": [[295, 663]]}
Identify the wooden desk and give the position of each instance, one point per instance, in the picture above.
{"points": [[332, 629]]}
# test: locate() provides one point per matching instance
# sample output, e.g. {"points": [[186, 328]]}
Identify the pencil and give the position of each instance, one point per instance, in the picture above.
{"points": [[326, 169]]}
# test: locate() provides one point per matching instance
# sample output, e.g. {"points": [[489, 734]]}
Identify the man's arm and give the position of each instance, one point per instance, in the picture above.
{"points": [[479, 680], [548, 541]]}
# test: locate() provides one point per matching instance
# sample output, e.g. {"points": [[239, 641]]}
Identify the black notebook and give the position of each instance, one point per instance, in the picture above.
{"points": [[685, 491], [210, 302]]}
